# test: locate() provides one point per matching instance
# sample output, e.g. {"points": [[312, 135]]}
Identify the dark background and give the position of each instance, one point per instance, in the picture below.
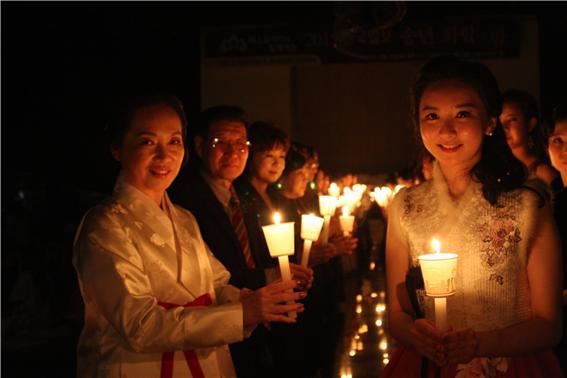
{"points": [[62, 66]]}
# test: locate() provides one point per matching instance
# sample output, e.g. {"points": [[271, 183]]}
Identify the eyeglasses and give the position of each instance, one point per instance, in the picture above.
{"points": [[224, 145]]}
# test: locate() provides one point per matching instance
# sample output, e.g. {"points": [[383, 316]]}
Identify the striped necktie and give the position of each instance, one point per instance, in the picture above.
{"points": [[237, 219]]}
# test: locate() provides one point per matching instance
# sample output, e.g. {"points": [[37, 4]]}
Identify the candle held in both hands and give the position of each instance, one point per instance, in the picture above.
{"points": [[439, 272]]}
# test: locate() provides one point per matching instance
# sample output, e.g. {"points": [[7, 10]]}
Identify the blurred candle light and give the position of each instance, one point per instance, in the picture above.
{"points": [[347, 221], [334, 190], [327, 206]]}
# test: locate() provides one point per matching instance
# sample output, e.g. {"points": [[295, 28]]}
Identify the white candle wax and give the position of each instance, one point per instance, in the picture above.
{"points": [[439, 271], [279, 238], [347, 223], [334, 190], [327, 205], [441, 313], [286, 275], [306, 249], [325, 232], [311, 226]]}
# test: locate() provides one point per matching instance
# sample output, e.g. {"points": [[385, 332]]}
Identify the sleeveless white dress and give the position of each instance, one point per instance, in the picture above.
{"points": [[492, 241]]}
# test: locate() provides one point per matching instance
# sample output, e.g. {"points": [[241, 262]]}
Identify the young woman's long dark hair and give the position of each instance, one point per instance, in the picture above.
{"points": [[498, 170]]}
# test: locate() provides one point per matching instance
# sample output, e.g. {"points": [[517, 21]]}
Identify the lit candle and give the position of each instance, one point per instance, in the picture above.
{"points": [[347, 221], [439, 271], [280, 240], [334, 190], [310, 229], [327, 205], [382, 196]]}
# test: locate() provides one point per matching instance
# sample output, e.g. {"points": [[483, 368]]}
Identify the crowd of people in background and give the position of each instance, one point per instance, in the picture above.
{"points": [[177, 277]]}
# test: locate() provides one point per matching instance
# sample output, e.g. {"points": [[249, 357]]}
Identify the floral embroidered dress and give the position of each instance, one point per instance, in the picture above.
{"points": [[492, 288], [151, 289]]}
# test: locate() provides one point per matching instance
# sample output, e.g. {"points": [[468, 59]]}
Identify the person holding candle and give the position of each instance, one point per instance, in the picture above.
{"points": [[222, 147], [557, 149], [266, 162], [321, 320], [505, 314], [149, 282]]}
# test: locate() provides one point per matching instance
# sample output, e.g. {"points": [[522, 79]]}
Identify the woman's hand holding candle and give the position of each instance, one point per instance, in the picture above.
{"points": [[303, 275], [428, 341], [461, 346], [321, 253], [344, 244], [271, 303]]}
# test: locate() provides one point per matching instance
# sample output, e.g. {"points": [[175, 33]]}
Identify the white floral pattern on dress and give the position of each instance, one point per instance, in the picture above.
{"points": [[491, 241], [483, 368]]}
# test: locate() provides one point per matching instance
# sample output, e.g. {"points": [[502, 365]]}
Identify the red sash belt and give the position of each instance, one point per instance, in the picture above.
{"points": [[190, 355]]}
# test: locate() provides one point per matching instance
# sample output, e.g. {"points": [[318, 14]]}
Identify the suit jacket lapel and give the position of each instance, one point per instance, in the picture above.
{"points": [[218, 213]]}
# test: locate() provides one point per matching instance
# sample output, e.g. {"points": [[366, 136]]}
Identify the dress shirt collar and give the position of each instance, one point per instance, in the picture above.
{"points": [[223, 194]]}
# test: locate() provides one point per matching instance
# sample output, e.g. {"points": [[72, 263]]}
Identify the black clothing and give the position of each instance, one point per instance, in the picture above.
{"points": [[252, 357]]}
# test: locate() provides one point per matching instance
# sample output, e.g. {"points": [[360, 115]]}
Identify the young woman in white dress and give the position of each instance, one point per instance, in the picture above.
{"points": [[506, 313]]}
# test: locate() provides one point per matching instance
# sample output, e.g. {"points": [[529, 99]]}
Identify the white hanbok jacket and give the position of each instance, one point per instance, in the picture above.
{"points": [[131, 257]]}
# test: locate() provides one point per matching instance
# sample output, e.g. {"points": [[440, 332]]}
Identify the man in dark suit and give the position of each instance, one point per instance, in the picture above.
{"points": [[221, 144]]}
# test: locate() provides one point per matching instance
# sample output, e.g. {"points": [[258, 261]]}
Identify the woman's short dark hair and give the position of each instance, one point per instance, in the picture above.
{"points": [[265, 136], [127, 107], [217, 114], [525, 101], [294, 160], [498, 170], [559, 114]]}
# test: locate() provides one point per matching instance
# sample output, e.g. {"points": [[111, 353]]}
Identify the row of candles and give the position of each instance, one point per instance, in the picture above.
{"points": [[438, 269], [280, 237]]}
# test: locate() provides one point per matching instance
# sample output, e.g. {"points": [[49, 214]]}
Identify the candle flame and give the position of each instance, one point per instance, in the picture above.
{"points": [[346, 211], [436, 245], [277, 218]]}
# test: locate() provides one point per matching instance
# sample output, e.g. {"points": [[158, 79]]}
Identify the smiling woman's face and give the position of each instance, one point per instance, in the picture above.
{"points": [[152, 150], [452, 122]]}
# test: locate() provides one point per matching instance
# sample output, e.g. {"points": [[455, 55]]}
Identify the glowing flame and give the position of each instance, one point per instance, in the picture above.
{"points": [[346, 211], [436, 245], [277, 218]]}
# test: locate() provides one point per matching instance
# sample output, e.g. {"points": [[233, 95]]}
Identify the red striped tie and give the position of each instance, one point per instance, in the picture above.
{"points": [[237, 219]]}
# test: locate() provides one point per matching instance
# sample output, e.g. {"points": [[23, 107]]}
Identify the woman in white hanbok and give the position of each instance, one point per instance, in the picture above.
{"points": [[157, 302]]}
